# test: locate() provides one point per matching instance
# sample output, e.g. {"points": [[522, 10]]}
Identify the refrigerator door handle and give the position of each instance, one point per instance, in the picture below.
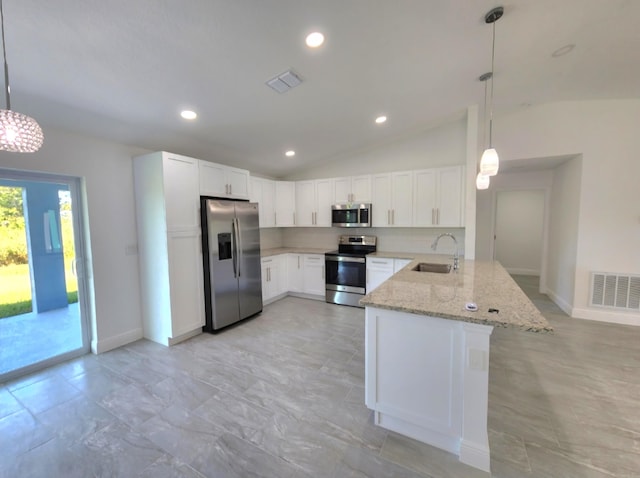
{"points": [[234, 248], [239, 245]]}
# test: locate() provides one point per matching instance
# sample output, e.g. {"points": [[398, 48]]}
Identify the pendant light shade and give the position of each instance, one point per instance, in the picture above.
{"points": [[489, 163], [19, 133], [482, 181]]}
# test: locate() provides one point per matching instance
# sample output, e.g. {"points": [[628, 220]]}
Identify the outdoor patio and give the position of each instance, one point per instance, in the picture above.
{"points": [[30, 338]]}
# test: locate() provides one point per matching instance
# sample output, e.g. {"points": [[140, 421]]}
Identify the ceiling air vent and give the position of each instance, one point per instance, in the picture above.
{"points": [[284, 81], [618, 291]]}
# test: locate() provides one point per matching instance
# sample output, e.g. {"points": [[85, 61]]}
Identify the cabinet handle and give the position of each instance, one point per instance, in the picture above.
{"points": [[433, 216], [275, 218], [438, 214], [230, 189], [294, 218], [268, 274], [377, 262], [393, 217], [323, 272], [389, 217]]}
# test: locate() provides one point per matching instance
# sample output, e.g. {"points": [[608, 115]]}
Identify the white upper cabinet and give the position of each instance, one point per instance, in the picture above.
{"points": [[223, 181], [313, 202], [180, 177], [438, 200], [263, 191], [285, 203], [353, 189], [392, 201]]}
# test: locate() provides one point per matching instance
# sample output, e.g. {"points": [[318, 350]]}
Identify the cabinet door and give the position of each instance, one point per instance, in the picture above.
{"points": [[305, 203], [424, 205], [263, 193], [295, 267], [381, 202], [314, 274], [213, 180], [402, 199], [185, 282], [342, 190], [324, 200], [399, 264], [285, 203], [270, 286], [238, 181], [378, 270], [180, 178], [450, 197], [361, 188]]}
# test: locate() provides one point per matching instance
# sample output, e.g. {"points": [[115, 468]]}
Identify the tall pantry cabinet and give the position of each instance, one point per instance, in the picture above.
{"points": [[169, 245]]}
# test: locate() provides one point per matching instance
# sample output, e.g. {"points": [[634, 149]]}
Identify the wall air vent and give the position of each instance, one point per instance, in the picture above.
{"points": [[618, 291], [284, 81]]}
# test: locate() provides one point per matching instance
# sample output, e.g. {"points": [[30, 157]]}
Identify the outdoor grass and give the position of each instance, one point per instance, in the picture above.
{"points": [[15, 289]]}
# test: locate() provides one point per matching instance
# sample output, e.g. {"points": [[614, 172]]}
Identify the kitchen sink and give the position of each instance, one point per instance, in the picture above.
{"points": [[433, 267]]}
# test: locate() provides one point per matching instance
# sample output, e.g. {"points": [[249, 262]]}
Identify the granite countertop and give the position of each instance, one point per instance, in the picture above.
{"points": [[444, 295], [292, 250]]}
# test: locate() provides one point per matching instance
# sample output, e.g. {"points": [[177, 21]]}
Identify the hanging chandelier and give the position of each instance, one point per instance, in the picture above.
{"points": [[19, 133], [490, 163]]}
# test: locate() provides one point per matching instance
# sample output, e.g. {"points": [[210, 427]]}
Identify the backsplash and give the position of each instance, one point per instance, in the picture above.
{"points": [[389, 239]]}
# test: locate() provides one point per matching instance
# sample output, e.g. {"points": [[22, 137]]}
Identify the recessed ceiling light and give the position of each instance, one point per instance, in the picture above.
{"points": [[563, 50], [290, 153], [188, 114], [381, 119], [315, 39]]}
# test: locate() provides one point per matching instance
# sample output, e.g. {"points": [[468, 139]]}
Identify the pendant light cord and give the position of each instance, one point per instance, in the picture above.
{"points": [[493, 54], [6, 67]]}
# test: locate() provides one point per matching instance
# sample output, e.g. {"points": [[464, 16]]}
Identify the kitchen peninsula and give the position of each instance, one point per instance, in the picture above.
{"points": [[427, 355]]}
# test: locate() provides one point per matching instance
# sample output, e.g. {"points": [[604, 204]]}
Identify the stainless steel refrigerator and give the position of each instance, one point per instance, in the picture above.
{"points": [[231, 256]]}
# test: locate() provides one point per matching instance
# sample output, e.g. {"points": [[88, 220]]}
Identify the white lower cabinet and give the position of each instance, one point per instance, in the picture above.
{"points": [[314, 281], [379, 269], [399, 264], [274, 273], [295, 272]]}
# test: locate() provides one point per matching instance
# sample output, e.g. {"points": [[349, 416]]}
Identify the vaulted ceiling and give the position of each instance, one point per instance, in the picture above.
{"points": [[123, 70]]}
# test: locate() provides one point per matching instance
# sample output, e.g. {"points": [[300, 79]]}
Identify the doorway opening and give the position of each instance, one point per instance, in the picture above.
{"points": [[41, 282], [519, 231]]}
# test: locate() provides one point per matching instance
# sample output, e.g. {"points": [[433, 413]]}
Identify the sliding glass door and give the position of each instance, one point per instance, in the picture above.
{"points": [[42, 287]]}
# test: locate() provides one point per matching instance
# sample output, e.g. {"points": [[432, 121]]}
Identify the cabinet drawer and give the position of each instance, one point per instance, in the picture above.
{"points": [[313, 259], [380, 263]]}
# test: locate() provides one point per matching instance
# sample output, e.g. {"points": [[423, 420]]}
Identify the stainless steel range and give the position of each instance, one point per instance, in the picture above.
{"points": [[346, 270]]}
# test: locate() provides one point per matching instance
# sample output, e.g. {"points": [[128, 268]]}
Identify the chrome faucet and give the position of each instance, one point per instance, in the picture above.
{"points": [[455, 255]]}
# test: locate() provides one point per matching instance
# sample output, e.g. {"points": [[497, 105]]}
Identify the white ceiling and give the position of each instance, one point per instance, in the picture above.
{"points": [[123, 69]]}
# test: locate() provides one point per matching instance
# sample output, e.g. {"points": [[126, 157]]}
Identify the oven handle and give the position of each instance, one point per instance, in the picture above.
{"points": [[360, 260]]}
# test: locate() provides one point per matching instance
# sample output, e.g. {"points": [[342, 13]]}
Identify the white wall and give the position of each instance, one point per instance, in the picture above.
{"points": [[108, 182], [442, 146], [519, 230], [563, 233], [605, 133]]}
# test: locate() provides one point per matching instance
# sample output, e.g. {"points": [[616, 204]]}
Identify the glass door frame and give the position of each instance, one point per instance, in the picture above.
{"points": [[76, 187]]}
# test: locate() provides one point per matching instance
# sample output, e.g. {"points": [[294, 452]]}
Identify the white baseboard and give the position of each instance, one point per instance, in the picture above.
{"points": [[611, 316], [476, 455], [560, 302], [104, 345]]}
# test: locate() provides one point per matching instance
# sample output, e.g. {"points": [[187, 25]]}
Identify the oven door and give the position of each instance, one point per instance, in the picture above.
{"points": [[346, 274]]}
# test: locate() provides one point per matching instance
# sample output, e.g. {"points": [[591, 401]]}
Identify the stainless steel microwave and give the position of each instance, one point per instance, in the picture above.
{"points": [[351, 215]]}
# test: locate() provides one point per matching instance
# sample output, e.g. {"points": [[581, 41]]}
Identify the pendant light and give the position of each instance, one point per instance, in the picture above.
{"points": [[489, 163], [483, 180], [19, 133]]}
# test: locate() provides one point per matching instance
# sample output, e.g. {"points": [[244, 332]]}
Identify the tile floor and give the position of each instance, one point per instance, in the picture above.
{"points": [[282, 396]]}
